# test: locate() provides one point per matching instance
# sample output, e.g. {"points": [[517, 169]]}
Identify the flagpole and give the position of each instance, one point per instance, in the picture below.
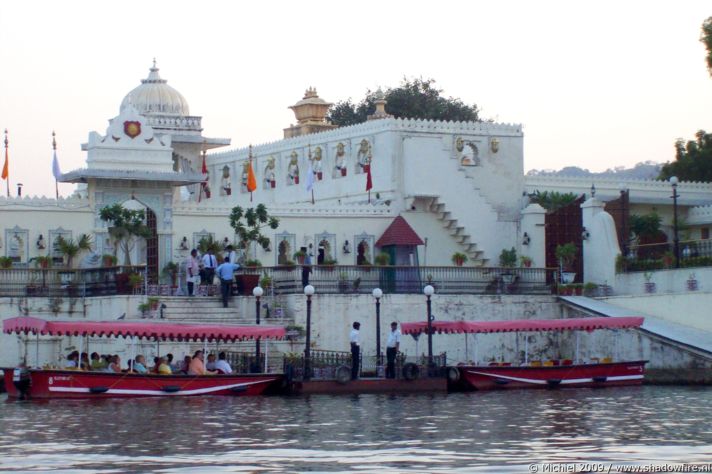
{"points": [[54, 148], [6, 168], [248, 176]]}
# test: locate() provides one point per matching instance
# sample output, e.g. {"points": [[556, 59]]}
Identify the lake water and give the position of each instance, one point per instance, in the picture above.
{"points": [[463, 432]]}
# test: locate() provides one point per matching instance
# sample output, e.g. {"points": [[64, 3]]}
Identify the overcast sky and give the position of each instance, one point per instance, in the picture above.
{"points": [[595, 84]]}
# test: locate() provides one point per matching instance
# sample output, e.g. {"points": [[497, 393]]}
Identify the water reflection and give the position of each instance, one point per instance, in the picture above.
{"points": [[477, 432]]}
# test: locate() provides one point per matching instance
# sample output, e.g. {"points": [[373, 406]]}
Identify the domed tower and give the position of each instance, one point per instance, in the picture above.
{"points": [[167, 112]]}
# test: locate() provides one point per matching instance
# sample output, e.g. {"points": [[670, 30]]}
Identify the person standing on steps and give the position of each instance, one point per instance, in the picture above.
{"points": [[209, 264], [306, 270], [392, 347], [226, 273], [355, 350], [193, 270]]}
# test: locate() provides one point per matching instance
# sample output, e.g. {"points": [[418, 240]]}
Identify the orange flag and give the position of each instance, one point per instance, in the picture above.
{"points": [[5, 171], [251, 180]]}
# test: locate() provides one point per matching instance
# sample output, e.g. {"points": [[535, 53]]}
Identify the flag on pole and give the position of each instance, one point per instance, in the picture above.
{"points": [[251, 180], [204, 184], [310, 181], [56, 172], [6, 167], [369, 181]]}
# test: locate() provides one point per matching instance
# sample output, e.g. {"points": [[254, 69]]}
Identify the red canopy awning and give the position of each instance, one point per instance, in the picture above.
{"points": [[165, 331], [517, 325]]}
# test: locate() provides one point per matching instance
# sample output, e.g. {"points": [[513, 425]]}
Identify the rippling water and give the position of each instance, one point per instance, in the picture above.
{"points": [[473, 432]]}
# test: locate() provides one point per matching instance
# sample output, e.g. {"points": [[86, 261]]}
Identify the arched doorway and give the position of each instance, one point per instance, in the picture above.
{"points": [[152, 247]]}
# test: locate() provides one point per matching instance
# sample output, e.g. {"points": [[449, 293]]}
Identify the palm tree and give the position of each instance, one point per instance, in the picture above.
{"points": [[70, 248]]}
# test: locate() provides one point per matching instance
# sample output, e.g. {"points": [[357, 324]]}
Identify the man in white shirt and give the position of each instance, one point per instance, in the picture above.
{"points": [[355, 350], [231, 254], [392, 347], [222, 365], [209, 265]]}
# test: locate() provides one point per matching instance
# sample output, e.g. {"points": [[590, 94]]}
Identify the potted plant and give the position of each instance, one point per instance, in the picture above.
{"points": [[108, 260], [649, 285], [330, 262], [525, 261], [171, 271], [144, 308], [343, 282], [590, 289], [300, 256], [668, 259], [153, 302], [382, 259], [248, 225], [5, 262], [692, 282], [294, 331], [266, 281], [135, 280], [459, 258], [43, 261], [254, 263], [566, 255], [508, 260], [70, 249]]}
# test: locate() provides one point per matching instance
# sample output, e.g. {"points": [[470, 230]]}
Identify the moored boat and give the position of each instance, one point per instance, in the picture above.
{"points": [[71, 383], [538, 374]]}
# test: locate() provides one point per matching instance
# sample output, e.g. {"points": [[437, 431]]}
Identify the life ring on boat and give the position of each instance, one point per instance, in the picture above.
{"points": [[343, 374], [98, 389], [453, 374], [171, 388], [411, 371]]}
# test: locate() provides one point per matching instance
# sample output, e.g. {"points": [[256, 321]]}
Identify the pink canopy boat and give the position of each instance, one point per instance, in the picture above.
{"points": [[537, 374], [69, 383]]}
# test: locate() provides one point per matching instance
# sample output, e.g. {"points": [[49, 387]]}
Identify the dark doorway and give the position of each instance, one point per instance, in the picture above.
{"points": [[563, 226], [152, 247]]}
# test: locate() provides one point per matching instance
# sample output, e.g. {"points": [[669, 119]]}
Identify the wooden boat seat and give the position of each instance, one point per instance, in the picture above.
{"points": [[595, 360], [567, 362], [493, 364], [549, 363], [607, 360], [536, 363]]}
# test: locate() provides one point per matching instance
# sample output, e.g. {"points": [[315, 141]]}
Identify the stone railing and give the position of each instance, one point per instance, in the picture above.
{"points": [[180, 123]]}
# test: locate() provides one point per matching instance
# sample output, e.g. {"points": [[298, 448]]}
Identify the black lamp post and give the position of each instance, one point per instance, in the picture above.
{"points": [[378, 293], [676, 239], [258, 292], [624, 218], [428, 292], [308, 291]]}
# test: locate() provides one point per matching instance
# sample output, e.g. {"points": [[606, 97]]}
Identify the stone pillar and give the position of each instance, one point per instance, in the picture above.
{"points": [[532, 240], [600, 244]]}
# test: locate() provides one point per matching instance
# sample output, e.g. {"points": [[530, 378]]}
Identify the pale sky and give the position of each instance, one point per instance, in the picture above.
{"points": [[595, 84]]}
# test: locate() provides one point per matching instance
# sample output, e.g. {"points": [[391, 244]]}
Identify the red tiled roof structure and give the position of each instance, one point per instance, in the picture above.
{"points": [[399, 233]]}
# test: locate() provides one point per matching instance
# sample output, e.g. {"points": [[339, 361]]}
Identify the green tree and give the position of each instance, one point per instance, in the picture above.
{"points": [[552, 200], [71, 248], [706, 38], [125, 226], [693, 160], [248, 224], [416, 98]]}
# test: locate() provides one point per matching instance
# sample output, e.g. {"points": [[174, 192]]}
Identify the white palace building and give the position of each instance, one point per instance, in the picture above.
{"points": [[460, 186]]}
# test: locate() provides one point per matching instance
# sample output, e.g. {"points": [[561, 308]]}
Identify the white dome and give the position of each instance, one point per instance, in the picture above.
{"points": [[155, 97]]}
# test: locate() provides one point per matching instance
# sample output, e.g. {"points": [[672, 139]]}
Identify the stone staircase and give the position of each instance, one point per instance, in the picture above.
{"points": [[205, 309], [457, 231]]}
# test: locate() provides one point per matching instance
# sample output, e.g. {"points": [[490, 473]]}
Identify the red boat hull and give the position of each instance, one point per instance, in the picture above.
{"points": [[583, 375], [76, 384]]}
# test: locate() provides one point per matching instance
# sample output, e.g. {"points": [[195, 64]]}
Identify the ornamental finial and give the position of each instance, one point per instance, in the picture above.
{"points": [[54, 142]]}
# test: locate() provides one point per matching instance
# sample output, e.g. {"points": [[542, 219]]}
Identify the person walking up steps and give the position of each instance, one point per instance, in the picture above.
{"points": [[226, 273]]}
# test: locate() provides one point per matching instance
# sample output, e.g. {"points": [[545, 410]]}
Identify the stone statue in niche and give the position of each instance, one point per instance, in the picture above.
{"points": [[283, 250], [225, 186], [293, 169], [471, 155], [340, 160], [459, 144], [494, 145], [317, 165], [16, 248], [363, 157], [270, 177], [363, 253], [243, 179]]}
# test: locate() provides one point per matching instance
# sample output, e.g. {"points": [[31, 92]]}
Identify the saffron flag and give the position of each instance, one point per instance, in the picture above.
{"points": [[204, 184], [5, 168], [310, 178], [251, 180], [56, 172], [369, 181]]}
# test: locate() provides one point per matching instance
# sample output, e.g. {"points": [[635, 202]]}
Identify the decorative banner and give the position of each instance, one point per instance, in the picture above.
{"points": [[132, 129]]}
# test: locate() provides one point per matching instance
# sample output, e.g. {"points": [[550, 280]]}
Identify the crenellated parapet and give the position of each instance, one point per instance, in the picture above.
{"points": [[700, 215], [44, 202], [378, 126], [354, 210]]}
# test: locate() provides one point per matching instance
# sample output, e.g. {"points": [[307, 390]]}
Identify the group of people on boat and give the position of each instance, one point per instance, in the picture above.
{"points": [[162, 365]]}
